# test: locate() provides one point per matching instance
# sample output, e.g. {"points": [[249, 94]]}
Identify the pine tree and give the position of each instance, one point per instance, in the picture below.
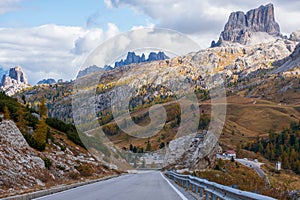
{"points": [[40, 134], [43, 108], [6, 113]]}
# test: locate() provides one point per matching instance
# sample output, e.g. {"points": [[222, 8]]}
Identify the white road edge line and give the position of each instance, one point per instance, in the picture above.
{"points": [[174, 188]]}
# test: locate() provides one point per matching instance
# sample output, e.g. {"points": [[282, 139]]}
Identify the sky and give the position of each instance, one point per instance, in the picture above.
{"points": [[52, 38]]}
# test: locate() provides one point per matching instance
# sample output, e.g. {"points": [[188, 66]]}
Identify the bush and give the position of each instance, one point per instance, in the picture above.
{"points": [[60, 167], [85, 170], [33, 143], [74, 175], [48, 162]]}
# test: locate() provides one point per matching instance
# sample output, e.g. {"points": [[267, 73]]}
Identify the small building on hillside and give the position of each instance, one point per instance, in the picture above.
{"points": [[229, 154], [278, 166]]}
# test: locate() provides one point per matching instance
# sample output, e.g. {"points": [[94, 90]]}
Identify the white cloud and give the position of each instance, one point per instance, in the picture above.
{"points": [[108, 3], [141, 40], [8, 6], [207, 18], [50, 50]]}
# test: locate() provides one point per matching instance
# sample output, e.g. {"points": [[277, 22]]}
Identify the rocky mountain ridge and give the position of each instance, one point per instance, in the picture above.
{"points": [[242, 28], [131, 58], [48, 81]]}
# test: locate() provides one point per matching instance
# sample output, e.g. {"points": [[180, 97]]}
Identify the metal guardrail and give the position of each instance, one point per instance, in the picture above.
{"points": [[213, 190]]}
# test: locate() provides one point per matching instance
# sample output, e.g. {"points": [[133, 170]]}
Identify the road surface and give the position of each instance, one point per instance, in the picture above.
{"points": [[253, 165], [147, 185]]}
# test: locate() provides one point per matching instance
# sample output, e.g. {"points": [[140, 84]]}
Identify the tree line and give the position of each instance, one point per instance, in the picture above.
{"points": [[283, 147]]}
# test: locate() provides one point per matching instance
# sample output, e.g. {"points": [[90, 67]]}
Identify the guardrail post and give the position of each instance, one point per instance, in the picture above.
{"points": [[214, 197], [201, 192], [207, 195]]}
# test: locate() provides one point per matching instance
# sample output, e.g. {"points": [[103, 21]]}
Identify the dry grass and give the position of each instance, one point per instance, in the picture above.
{"points": [[233, 173]]}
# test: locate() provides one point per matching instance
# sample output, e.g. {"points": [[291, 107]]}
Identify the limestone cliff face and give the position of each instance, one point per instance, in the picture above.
{"points": [[14, 82], [20, 166], [196, 151], [17, 73], [295, 36], [241, 27]]}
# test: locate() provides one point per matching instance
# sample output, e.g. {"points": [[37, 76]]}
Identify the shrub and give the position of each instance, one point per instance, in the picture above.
{"points": [[33, 143], [60, 167], [85, 170], [48, 162], [73, 175]]}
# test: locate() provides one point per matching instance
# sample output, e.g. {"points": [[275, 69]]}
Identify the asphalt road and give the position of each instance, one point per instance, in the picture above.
{"points": [[149, 185], [253, 165]]}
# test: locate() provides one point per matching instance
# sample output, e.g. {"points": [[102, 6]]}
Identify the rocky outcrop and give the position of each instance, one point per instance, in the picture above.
{"points": [[22, 168], [17, 74], [241, 27], [290, 63], [47, 81], [196, 151], [295, 36], [17, 160], [14, 82]]}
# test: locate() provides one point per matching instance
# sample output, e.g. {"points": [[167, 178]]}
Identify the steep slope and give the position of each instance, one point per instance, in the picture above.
{"points": [[18, 161], [26, 167]]}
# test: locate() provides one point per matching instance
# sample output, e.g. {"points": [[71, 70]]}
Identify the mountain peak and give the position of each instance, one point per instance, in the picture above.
{"points": [[14, 81], [241, 27], [17, 74]]}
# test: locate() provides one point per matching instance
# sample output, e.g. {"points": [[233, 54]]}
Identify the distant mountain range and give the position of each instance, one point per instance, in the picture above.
{"points": [[131, 58], [47, 81]]}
